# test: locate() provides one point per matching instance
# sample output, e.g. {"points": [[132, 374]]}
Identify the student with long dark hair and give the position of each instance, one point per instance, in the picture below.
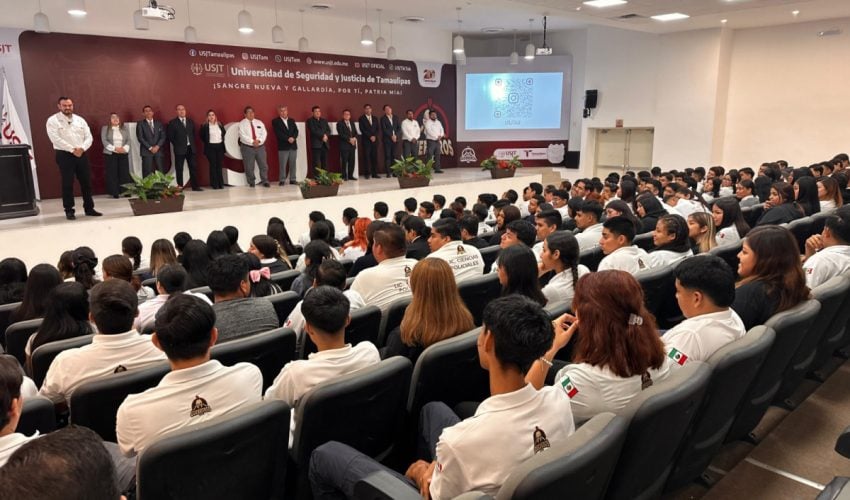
{"points": [[780, 207], [649, 209], [518, 273], [42, 279], [259, 276], [66, 315], [829, 194], [268, 251], [85, 262], [218, 244], [132, 248], [772, 278], [162, 254], [13, 278], [233, 236], [277, 230], [561, 254], [806, 194], [671, 241], [728, 221], [196, 261], [120, 267], [314, 253]]}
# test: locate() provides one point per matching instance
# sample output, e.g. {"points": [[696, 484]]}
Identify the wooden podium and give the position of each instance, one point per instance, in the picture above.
{"points": [[17, 191]]}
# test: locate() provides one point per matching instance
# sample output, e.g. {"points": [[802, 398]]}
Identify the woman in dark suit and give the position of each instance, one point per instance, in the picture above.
{"points": [[212, 135], [116, 151]]}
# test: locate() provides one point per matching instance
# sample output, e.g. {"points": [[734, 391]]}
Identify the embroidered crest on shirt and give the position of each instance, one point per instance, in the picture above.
{"points": [[678, 356], [641, 264], [569, 388], [461, 250], [407, 271], [120, 369], [645, 381], [199, 407], [540, 441]]}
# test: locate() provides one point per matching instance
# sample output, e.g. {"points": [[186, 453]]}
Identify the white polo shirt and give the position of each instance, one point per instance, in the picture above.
{"points": [[826, 264], [630, 259], [664, 258], [10, 443], [538, 250], [149, 308], [697, 338], [301, 264], [107, 354], [382, 284], [465, 260], [480, 452], [561, 287], [484, 228], [185, 398], [594, 389], [299, 376], [727, 236], [297, 322], [589, 238]]}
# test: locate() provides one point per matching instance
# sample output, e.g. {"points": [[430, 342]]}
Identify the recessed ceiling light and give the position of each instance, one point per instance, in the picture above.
{"points": [[492, 29], [673, 16], [605, 3], [724, 21], [795, 13], [321, 6], [413, 19]]}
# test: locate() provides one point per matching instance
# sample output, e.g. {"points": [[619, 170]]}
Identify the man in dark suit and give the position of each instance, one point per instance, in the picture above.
{"points": [[320, 130], [151, 136], [347, 145], [391, 131], [181, 135], [286, 132], [369, 130]]}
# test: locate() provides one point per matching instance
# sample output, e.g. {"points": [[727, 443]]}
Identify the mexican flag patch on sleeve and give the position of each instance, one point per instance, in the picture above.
{"points": [[678, 356], [569, 388]]}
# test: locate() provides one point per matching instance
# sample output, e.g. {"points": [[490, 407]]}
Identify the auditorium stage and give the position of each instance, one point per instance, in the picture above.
{"points": [[42, 238]]}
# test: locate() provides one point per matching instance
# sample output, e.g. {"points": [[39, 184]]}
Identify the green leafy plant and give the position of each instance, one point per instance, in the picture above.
{"points": [[413, 167], [321, 177], [156, 186], [492, 164]]}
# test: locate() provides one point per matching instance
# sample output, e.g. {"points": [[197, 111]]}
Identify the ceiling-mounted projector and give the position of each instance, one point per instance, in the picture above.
{"points": [[158, 12]]}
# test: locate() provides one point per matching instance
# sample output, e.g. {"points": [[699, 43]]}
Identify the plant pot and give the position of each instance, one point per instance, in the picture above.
{"points": [[413, 182], [502, 173], [150, 207], [320, 191]]}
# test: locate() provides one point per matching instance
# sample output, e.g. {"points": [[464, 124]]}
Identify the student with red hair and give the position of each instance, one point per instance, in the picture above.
{"points": [[356, 247]]}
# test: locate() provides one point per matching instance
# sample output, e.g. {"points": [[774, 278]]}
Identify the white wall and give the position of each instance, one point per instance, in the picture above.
{"points": [[789, 95], [216, 23]]}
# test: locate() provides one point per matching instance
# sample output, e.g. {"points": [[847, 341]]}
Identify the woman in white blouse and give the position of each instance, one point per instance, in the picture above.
{"points": [[212, 135], [671, 241], [560, 254], [829, 194], [729, 221], [116, 149]]}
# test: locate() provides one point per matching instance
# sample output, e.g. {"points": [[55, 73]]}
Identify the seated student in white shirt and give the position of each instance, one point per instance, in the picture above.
{"points": [[382, 284], [320, 230], [11, 404], [618, 353], [672, 244], [828, 253], [729, 222], [171, 279], [588, 216], [616, 243], [428, 213], [116, 347], [546, 222], [705, 290], [516, 422], [560, 254], [744, 193], [196, 390], [445, 243], [518, 232], [329, 273], [313, 217], [326, 312]]}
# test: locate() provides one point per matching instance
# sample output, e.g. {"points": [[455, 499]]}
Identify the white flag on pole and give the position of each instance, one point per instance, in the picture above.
{"points": [[12, 130]]}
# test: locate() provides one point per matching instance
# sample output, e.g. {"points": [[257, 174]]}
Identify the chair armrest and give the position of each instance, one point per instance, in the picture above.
{"points": [[382, 485]]}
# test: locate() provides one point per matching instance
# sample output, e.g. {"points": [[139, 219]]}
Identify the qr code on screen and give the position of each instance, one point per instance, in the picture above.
{"points": [[518, 98]]}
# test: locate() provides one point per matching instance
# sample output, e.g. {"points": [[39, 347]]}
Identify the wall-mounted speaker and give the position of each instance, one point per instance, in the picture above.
{"points": [[590, 98]]}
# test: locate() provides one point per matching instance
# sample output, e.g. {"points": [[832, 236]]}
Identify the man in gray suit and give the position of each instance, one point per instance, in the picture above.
{"points": [[151, 136]]}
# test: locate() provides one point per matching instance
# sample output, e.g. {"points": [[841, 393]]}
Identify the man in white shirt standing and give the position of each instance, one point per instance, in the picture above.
{"points": [[445, 243], [252, 144], [410, 132], [116, 347], [196, 390], [326, 311], [705, 290], [71, 138], [388, 281], [616, 242], [515, 423], [828, 253], [434, 133]]}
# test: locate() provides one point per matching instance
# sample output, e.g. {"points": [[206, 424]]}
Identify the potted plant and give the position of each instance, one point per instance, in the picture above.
{"points": [[154, 194], [413, 172], [322, 184], [499, 169]]}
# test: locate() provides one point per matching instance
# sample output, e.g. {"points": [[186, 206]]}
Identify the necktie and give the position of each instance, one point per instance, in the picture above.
{"points": [[369, 117], [183, 121], [150, 124], [283, 120], [253, 132]]}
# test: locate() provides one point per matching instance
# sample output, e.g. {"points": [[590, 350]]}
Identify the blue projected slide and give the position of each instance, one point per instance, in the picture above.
{"points": [[513, 101]]}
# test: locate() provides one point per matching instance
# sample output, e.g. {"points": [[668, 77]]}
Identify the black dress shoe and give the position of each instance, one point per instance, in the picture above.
{"points": [[266, 184], [197, 189], [115, 196], [438, 172], [292, 181], [250, 185], [281, 183], [93, 213], [70, 216]]}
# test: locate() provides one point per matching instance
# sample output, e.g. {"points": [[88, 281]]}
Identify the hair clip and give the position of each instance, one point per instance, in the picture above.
{"points": [[634, 319]]}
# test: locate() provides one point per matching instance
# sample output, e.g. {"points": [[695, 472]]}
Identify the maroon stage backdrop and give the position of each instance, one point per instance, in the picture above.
{"points": [[107, 74]]}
